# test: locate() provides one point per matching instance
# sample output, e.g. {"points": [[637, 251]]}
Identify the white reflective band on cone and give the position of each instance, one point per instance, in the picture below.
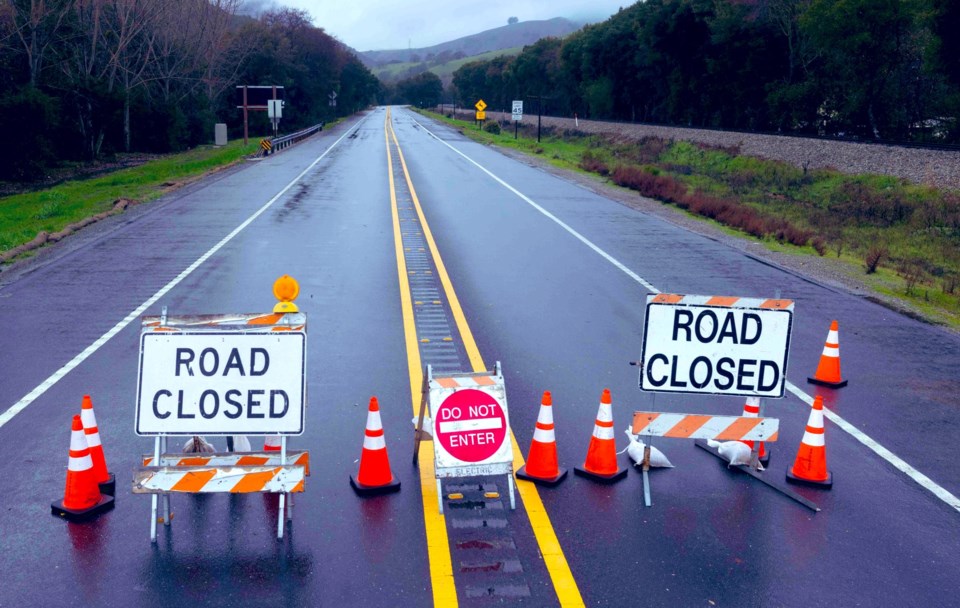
{"points": [[93, 439], [603, 432], [544, 436], [831, 351], [605, 414], [78, 442], [373, 421], [813, 439], [546, 415], [80, 464], [374, 443]]}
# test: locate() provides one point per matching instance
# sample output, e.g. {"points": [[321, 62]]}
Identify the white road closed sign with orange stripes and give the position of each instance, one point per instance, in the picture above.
{"points": [[221, 383], [716, 345]]}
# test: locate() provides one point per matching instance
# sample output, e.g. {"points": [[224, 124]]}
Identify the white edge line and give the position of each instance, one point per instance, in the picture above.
{"points": [[56, 376], [898, 463]]}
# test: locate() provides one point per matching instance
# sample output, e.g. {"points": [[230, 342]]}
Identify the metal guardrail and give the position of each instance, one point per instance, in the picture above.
{"points": [[274, 145]]}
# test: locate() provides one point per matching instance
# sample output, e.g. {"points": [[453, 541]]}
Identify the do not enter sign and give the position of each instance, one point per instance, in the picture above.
{"points": [[471, 425]]}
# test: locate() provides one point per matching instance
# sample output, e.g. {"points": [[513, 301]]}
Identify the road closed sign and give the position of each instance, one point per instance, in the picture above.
{"points": [[221, 383], [471, 427], [716, 345]]}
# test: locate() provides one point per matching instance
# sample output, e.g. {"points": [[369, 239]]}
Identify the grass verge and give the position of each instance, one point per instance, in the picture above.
{"points": [[24, 217], [899, 239]]}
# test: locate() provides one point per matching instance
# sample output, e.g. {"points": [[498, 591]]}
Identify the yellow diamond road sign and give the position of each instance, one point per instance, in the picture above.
{"points": [[480, 106]]}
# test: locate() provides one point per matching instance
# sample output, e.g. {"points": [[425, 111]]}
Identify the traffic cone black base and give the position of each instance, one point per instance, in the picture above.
{"points": [[823, 485], [765, 460], [615, 477], [109, 486], [105, 504], [548, 482], [840, 384], [362, 490]]}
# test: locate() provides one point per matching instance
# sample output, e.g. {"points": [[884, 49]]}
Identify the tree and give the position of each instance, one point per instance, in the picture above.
{"points": [[512, 20]]}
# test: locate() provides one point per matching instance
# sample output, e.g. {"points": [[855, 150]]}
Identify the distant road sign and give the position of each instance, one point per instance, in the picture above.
{"points": [[517, 110], [481, 115], [275, 108], [480, 106], [258, 96]]}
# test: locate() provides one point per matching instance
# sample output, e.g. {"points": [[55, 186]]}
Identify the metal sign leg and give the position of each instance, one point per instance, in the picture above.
{"points": [[646, 474], [440, 496], [165, 497], [282, 509], [513, 499], [155, 499]]}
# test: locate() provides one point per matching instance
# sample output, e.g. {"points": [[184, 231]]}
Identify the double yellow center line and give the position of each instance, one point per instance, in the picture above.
{"points": [[438, 546]]}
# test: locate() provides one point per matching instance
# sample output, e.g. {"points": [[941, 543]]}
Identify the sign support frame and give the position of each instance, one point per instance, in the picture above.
{"points": [[428, 377], [285, 510], [752, 469]]}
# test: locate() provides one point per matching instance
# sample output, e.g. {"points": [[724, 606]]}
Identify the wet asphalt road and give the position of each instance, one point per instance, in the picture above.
{"points": [[556, 314]]}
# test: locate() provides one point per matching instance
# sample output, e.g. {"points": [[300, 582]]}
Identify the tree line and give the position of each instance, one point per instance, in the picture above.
{"points": [[83, 79], [869, 69]]}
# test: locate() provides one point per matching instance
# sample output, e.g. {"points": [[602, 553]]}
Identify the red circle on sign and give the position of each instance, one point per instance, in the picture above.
{"points": [[471, 425]]}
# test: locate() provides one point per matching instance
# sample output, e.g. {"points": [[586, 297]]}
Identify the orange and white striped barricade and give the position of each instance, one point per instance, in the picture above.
{"points": [[470, 426], [223, 375], [715, 345], [701, 427]]}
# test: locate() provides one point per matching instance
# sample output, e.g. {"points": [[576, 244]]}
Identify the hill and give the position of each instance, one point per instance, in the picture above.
{"points": [[506, 37], [398, 71]]}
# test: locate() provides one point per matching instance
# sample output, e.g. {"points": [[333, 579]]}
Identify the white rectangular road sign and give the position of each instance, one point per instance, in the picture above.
{"points": [[716, 345], [275, 108], [221, 383], [517, 110]]}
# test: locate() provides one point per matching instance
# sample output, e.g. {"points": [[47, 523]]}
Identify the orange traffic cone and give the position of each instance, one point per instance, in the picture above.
{"points": [[751, 409], [106, 479], [828, 371], [601, 462], [81, 497], [374, 476], [542, 467], [271, 443], [810, 467]]}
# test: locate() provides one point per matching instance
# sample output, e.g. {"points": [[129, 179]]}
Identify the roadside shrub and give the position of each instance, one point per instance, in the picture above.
{"points": [[492, 127], [874, 256], [819, 245], [912, 273], [591, 162]]}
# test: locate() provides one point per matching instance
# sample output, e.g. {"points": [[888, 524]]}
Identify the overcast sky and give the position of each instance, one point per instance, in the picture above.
{"points": [[391, 24]]}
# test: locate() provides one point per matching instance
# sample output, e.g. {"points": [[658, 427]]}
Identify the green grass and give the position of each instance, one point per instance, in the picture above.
{"points": [[845, 215], [23, 216]]}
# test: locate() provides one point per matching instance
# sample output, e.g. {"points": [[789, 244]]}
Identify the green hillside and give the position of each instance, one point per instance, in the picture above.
{"points": [[399, 71]]}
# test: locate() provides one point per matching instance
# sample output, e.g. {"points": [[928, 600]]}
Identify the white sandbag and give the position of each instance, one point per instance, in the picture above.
{"points": [[241, 444], [635, 451], [735, 452], [427, 429], [197, 445]]}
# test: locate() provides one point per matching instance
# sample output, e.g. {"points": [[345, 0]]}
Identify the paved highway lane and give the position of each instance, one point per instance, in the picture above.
{"points": [[333, 232], [558, 315], [568, 320]]}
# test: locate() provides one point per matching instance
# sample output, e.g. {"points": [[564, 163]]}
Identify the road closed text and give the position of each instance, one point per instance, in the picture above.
{"points": [[718, 350], [221, 383]]}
